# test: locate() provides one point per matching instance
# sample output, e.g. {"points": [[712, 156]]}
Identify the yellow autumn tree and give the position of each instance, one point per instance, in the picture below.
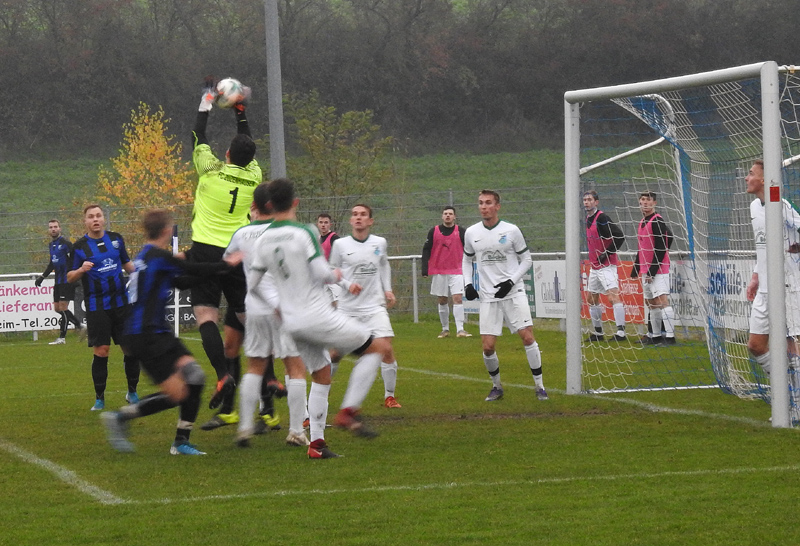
{"points": [[148, 172]]}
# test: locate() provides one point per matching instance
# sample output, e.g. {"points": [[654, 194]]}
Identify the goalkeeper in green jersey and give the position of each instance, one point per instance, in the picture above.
{"points": [[221, 206]]}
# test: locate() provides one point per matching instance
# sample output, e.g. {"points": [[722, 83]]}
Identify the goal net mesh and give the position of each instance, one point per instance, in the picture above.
{"points": [[693, 148]]}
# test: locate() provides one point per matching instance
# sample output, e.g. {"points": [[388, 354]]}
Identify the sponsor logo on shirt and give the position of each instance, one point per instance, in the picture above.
{"points": [[108, 265]]}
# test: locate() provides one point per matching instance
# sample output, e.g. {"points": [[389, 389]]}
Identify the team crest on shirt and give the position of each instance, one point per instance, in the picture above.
{"points": [[503, 238], [376, 250], [115, 243]]}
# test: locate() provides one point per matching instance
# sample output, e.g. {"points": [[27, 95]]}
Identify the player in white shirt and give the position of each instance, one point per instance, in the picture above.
{"points": [[502, 257], [367, 290], [291, 252], [758, 342], [263, 337]]}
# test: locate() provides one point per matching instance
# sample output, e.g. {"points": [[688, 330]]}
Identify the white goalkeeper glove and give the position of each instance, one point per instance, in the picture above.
{"points": [[209, 94]]}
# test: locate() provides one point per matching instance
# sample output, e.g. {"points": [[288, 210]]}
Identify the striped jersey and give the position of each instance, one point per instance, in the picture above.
{"points": [[60, 252], [103, 284], [151, 287]]}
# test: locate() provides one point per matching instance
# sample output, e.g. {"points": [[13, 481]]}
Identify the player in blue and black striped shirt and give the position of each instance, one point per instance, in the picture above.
{"points": [[98, 260], [63, 292], [148, 337]]}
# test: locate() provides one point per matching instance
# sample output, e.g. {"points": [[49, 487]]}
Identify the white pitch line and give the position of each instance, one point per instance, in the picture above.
{"points": [[454, 485], [644, 405], [64, 474]]}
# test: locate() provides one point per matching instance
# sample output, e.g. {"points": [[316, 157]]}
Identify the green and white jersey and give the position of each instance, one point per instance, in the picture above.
{"points": [[500, 252], [223, 197], [286, 250], [366, 263], [263, 298]]}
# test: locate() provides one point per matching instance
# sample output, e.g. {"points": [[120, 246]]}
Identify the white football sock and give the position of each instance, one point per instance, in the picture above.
{"points": [[763, 360], [619, 315], [249, 396], [444, 316], [669, 321], [361, 379], [296, 399], [317, 410], [535, 362], [596, 312], [389, 374], [458, 315], [492, 364], [657, 320]]}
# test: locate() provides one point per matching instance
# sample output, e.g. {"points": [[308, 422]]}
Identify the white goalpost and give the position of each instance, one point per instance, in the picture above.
{"points": [[691, 140]]}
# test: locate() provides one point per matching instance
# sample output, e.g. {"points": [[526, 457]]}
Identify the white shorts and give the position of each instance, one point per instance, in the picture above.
{"points": [[759, 315], [314, 357], [657, 287], [331, 329], [264, 336], [376, 322], [446, 285], [602, 280], [514, 310]]}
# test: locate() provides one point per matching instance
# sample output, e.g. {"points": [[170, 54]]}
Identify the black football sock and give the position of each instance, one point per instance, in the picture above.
{"points": [[214, 348], [72, 318], [188, 413], [235, 369], [100, 375], [131, 372], [150, 404], [269, 371], [62, 325]]}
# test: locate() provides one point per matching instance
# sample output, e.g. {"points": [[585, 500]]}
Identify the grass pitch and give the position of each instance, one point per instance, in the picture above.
{"points": [[683, 467]]}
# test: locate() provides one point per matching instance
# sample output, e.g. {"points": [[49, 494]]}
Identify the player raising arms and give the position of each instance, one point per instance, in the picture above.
{"points": [[222, 202], [290, 251], [367, 279], [501, 253], [148, 337]]}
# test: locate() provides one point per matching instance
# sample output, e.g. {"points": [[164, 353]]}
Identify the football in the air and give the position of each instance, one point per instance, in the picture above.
{"points": [[230, 91]]}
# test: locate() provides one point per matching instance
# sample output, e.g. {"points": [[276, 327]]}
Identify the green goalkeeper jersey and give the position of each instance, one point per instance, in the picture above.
{"points": [[223, 197]]}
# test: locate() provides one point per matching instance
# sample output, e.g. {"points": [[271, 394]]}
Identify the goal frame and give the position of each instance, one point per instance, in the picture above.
{"points": [[771, 127]]}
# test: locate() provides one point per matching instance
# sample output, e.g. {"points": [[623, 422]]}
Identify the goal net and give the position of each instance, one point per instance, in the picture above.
{"points": [[691, 141]]}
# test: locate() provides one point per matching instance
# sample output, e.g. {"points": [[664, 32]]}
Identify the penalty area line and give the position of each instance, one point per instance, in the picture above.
{"points": [[64, 474], [629, 401], [457, 485]]}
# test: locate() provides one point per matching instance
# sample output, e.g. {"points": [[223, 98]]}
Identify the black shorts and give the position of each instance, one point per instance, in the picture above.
{"points": [[63, 292], [233, 321], [104, 325], [157, 353], [207, 292]]}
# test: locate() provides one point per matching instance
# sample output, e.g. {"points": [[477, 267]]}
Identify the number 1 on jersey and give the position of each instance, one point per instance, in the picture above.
{"points": [[234, 192]]}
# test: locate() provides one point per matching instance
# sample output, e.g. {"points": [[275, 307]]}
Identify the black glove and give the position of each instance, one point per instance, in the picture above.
{"points": [[503, 288], [38, 281], [602, 257], [470, 293]]}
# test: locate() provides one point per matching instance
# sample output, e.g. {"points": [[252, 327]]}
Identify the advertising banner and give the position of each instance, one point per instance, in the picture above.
{"points": [[24, 307]]}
